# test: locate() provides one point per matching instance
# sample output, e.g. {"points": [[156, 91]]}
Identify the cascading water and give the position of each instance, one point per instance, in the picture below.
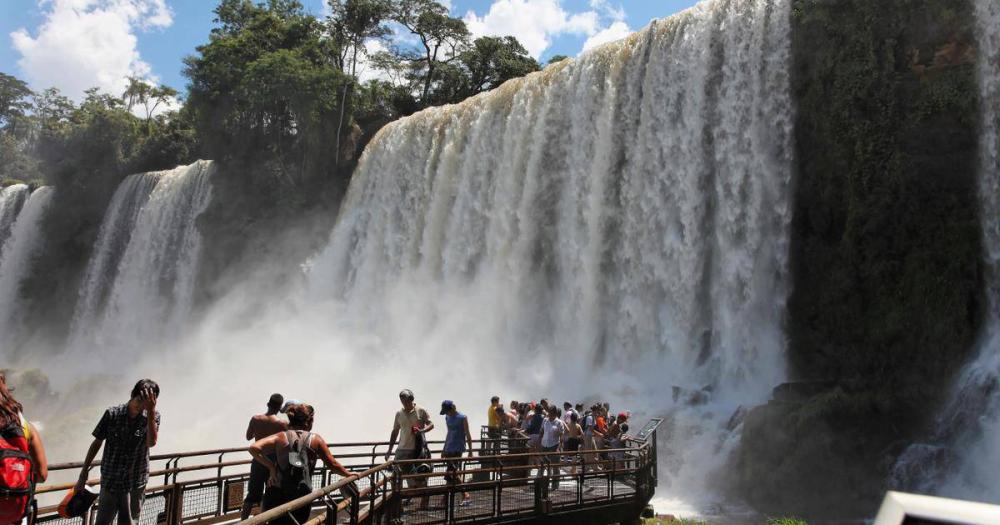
{"points": [[961, 459], [153, 288], [116, 231], [613, 226], [15, 261], [12, 199]]}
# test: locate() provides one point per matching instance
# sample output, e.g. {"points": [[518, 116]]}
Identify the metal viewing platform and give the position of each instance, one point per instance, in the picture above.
{"points": [[506, 484]]}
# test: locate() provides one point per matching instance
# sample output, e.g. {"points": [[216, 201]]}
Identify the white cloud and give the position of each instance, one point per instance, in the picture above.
{"points": [[615, 31], [533, 22], [89, 43], [604, 7]]}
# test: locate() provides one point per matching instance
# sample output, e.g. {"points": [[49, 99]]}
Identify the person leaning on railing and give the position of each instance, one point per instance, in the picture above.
{"points": [[281, 489]]}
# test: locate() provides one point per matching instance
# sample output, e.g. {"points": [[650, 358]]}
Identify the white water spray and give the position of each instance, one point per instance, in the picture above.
{"points": [[152, 294], [613, 226], [12, 199], [116, 231], [15, 262]]}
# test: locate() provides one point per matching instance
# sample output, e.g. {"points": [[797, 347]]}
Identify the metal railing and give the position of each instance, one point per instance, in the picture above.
{"points": [[503, 482]]}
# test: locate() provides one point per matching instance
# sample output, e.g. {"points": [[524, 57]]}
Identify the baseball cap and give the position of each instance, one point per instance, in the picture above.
{"points": [[288, 403], [446, 405]]}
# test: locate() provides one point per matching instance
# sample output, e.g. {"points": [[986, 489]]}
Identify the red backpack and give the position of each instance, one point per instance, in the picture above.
{"points": [[17, 483]]}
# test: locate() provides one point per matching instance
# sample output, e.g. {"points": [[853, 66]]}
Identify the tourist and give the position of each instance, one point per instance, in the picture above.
{"points": [[493, 425], [455, 442], [410, 425], [574, 438], [589, 440], [533, 429], [20, 437], [600, 428], [129, 430], [553, 430], [614, 434], [509, 423], [567, 416], [290, 478], [260, 427]]}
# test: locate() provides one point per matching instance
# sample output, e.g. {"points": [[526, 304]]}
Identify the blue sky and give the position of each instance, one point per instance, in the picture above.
{"points": [[75, 44]]}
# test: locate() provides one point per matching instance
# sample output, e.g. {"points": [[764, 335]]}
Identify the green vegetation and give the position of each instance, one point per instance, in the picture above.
{"points": [[886, 248], [275, 96], [785, 521]]}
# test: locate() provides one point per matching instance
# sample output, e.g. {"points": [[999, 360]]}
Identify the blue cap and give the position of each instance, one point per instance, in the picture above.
{"points": [[446, 405]]}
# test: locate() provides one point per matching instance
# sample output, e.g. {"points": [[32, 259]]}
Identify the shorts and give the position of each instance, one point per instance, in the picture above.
{"points": [[573, 444], [534, 441], [452, 466], [403, 454]]}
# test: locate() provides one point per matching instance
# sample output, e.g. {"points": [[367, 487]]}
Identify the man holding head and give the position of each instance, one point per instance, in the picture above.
{"points": [[260, 427], [129, 430]]}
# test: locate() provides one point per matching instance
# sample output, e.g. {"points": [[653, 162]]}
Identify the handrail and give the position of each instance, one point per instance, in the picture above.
{"points": [[308, 499], [385, 485]]}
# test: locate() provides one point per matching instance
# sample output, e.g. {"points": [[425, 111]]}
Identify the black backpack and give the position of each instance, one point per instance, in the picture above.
{"points": [[296, 478]]}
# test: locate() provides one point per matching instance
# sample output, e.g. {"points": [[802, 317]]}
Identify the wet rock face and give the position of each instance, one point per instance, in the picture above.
{"points": [[886, 249]]}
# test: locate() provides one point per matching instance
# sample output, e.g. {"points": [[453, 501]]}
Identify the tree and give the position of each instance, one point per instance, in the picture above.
{"points": [[15, 101], [351, 23], [265, 91], [442, 38], [491, 61], [556, 58]]}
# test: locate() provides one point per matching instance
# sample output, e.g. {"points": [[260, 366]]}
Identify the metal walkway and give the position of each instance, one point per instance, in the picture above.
{"points": [[505, 484]]}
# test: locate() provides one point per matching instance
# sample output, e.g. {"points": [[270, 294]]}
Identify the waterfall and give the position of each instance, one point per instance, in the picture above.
{"points": [[15, 258], [614, 223], [12, 199], [961, 459], [139, 284], [115, 233]]}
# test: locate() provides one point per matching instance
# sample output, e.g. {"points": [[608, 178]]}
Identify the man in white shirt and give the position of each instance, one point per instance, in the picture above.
{"points": [[553, 430]]}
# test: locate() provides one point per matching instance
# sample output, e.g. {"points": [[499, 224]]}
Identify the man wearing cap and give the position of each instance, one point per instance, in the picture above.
{"points": [[458, 440], [411, 424], [260, 427]]}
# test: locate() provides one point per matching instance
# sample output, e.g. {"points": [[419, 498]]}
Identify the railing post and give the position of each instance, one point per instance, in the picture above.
{"points": [[611, 484], [355, 509], [542, 502], [498, 497], [331, 512], [175, 504], [395, 504]]}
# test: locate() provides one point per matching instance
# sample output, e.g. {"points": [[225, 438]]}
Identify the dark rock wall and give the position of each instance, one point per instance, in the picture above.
{"points": [[886, 248]]}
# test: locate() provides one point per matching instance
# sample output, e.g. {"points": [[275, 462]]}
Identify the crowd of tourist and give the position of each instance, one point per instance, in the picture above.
{"points": [[285, 449]]}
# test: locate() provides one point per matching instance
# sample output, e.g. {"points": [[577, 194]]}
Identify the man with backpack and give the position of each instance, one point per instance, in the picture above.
{"points": [[24, 462], [289, 457], [260, 427], [127, 432]]}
